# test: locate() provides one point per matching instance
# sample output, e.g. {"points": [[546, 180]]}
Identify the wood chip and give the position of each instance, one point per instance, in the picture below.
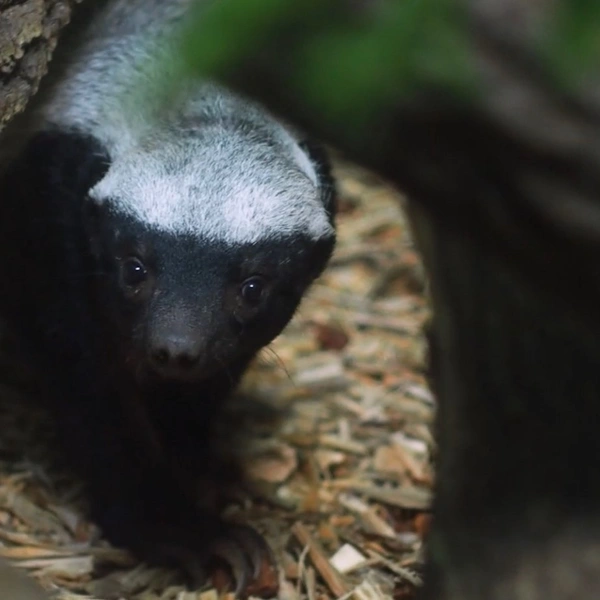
{"points": [[347, 558], [332, 578], [275, 462], [333, 441], [372, 521]]}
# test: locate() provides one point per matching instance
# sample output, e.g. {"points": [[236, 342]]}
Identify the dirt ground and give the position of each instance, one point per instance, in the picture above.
{"points": [[339, 463]]}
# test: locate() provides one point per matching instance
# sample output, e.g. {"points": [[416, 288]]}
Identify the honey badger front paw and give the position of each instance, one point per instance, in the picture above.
{"points": [[249, 559], [204, 547]]}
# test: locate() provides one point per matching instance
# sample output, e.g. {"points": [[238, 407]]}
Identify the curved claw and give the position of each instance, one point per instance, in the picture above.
{"points": [[246, 552], [229, 552], [254, 545]]}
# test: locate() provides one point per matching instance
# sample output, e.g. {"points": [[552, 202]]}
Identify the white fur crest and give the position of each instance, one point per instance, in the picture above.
{"points": [[210, 163], [219, 186]]}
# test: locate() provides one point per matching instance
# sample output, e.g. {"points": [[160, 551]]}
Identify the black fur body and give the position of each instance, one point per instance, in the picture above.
{"points": [[143, 330]]}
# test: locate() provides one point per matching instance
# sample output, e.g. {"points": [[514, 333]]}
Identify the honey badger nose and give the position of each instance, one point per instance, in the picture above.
{"points": [[175, 354]]}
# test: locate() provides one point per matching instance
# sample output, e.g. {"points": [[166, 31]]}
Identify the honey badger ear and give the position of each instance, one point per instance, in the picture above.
{"points": [[71, 161], [52, 175], [322, 165], [55, 166]]}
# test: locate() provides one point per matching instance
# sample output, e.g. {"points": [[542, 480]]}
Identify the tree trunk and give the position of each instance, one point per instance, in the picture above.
{"points": [[504, 189], [29, 31]]}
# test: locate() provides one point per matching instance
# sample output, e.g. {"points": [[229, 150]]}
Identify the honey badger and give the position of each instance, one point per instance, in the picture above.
{"points": [[149, 251]]}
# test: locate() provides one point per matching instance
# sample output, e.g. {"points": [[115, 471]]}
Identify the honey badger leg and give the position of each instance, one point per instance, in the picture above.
{"points": [[138, 500], [184, 419]]}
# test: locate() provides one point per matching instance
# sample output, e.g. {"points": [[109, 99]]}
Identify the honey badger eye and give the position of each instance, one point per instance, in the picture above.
{"points": [[133, 272], [252, 290]]}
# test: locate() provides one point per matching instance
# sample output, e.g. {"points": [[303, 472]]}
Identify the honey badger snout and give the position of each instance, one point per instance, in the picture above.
{"points": [[175, 353], [176, 343]]}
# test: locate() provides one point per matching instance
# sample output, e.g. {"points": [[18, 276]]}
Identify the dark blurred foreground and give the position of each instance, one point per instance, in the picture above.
{"points": [[490, 120]]}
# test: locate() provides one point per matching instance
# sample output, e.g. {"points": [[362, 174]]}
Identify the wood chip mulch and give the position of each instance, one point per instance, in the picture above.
{"points": [[340, 460]]}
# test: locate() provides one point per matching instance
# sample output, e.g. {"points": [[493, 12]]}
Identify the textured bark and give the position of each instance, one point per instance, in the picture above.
{"points": [[505, 197], [29, 31]]}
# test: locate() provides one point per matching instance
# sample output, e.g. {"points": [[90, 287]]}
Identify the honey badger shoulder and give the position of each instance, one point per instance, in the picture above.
{"points": [[149, 252]]}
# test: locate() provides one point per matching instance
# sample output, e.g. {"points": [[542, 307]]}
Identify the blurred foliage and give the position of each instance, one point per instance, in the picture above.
{"points": [[571, 47], [356, 61], [348, 59]]}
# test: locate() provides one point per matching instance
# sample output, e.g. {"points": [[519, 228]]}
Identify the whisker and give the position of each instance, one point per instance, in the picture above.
{"points": [[278, 361], [225, 368]]}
